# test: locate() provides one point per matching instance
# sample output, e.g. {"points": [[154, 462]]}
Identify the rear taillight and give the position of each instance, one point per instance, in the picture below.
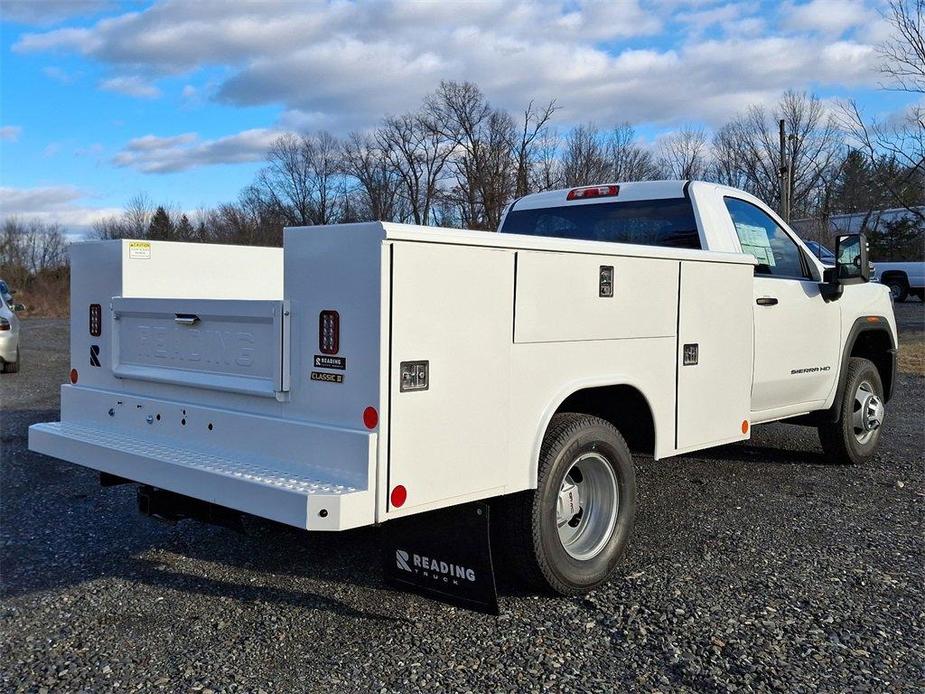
{"points": [[329, 332], [96, 320], [593, 192], [4, 323]]}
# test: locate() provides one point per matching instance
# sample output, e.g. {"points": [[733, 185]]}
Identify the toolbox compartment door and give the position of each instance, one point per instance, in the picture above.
{"points": [[229, 345]]}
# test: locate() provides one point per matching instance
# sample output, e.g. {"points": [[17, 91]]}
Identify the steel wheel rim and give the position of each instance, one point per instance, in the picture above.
{"points": [[867, 413], [587, 506], [895, 290]]}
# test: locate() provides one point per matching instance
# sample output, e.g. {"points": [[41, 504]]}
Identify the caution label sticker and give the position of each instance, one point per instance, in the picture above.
{"points": [[139, 250]]}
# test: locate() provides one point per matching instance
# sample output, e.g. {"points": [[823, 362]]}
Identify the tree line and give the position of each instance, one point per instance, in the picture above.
{"points": [[458, 160]]}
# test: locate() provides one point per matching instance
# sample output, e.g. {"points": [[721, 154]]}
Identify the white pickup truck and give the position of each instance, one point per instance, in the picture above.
{"points": [[903, 279], [369, 372]]}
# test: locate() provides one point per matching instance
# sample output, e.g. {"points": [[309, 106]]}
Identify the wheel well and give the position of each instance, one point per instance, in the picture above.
{"points": [[623, 406], [894, 275], [875, 345]]}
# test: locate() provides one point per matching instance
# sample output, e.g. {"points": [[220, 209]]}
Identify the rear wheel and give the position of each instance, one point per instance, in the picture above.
{"points": [[854, 437], [11, 367], [568, 535]]}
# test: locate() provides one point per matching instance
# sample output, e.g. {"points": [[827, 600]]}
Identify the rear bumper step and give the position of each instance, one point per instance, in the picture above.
{"points": [[258, 487]]}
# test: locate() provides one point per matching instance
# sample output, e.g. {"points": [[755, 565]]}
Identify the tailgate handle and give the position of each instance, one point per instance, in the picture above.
{"points": [[766, 301], [187, 318]]}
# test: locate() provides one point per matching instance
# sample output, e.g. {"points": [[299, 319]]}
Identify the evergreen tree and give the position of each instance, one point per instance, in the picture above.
{"points": [[161, 226], [184, 230]]}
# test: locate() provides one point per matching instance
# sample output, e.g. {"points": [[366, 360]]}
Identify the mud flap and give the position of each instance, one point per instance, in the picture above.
{"points": [[444, 555]]}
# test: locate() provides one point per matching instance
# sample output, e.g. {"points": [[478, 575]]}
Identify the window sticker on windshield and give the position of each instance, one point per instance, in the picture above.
{"points": [[754, 240]]}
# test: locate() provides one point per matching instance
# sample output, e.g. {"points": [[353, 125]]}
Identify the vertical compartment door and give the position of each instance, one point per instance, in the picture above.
{"points": [[452, 329], [715, 333]]}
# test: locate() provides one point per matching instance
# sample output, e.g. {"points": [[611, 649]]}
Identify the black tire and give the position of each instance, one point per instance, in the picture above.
{"points": [[899, 287], [12, 367], [528, 527], [838, 439]]}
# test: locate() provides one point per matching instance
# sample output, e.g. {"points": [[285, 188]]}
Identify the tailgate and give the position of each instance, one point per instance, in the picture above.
{"points": [[229, 345]]}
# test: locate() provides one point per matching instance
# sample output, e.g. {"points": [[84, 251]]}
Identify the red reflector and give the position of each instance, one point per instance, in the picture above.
{"points": [[73, 376], [329, 332], [593, 192], [399, 495], [370, 417]]}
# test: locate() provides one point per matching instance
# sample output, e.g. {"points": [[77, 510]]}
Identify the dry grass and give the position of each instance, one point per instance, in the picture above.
{"points": [[912, 355], [45, 297]]}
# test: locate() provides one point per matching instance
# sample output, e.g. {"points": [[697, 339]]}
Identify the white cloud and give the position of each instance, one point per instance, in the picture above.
{"points": [[56, 204], [130, 86], [344, 65], [827, 16], [152, 154], [10, 133], [42, 12]]}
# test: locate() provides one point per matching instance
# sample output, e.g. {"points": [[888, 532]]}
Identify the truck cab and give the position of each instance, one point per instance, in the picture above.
{"points": [[803, 332]]}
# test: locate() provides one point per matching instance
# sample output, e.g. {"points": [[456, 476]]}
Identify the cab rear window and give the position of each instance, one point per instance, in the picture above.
{"points": [[667, 222]]}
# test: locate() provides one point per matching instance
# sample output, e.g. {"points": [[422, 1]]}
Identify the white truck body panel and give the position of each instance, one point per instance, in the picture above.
{"points": [[211, 384]]}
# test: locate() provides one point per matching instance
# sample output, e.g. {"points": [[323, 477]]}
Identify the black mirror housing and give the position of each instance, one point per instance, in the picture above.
{"points": [[851, 264]]}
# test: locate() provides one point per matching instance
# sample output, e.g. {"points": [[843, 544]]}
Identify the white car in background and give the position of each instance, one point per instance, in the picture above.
{"points": [[9, 336]]}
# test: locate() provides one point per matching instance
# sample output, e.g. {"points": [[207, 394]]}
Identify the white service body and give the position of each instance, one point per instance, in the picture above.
{"points": [[207, 354]]}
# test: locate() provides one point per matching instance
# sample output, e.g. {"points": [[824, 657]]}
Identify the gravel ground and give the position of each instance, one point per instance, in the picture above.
{"points": [[754, 567]]}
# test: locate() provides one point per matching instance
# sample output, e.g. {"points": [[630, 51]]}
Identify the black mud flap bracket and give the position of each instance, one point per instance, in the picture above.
{"points": [[444, 555], [172, 507]]}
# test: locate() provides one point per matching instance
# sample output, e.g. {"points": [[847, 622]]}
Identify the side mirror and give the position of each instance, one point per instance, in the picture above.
{"points": [[851, 265], [12, 292]]}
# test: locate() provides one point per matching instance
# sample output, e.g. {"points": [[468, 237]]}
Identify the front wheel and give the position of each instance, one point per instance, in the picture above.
{"points": [[854, 436], [568, 535]]}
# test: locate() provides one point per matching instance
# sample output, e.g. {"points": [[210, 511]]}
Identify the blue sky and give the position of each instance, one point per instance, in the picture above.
{"points": [[101, 100]]}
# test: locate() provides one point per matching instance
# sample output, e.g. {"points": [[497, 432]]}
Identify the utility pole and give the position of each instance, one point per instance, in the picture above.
{"points": [[784, 176]]}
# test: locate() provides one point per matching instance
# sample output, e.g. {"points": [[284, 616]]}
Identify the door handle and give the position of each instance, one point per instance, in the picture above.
{"points": [[766, 301], [186, 319]]}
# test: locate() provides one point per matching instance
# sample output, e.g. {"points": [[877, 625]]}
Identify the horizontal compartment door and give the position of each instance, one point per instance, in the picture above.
{"points": [[232, 345]]}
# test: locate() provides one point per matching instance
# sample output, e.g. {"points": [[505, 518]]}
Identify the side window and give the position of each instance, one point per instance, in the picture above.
{"points": [[778, 255]]}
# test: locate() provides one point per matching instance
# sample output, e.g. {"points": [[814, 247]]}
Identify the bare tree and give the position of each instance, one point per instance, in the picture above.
{"points": [[627, 159], [29, 248], [303, 178], [814, 148], [683, 154], [534, 124], [903, 55], [365, 162], [584, 157], [546, 173], [133, 223], [896, 147], [418, 155]]}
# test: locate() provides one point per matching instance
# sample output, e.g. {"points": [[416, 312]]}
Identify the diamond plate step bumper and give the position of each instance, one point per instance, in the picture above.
{"points": [[262, 487]]}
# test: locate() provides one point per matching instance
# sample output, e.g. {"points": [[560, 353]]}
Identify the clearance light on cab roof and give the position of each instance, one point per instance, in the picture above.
{"points": [[593, 192]]}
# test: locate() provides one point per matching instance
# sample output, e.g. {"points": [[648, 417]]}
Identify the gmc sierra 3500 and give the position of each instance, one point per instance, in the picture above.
{"points": [[368, 372]]}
